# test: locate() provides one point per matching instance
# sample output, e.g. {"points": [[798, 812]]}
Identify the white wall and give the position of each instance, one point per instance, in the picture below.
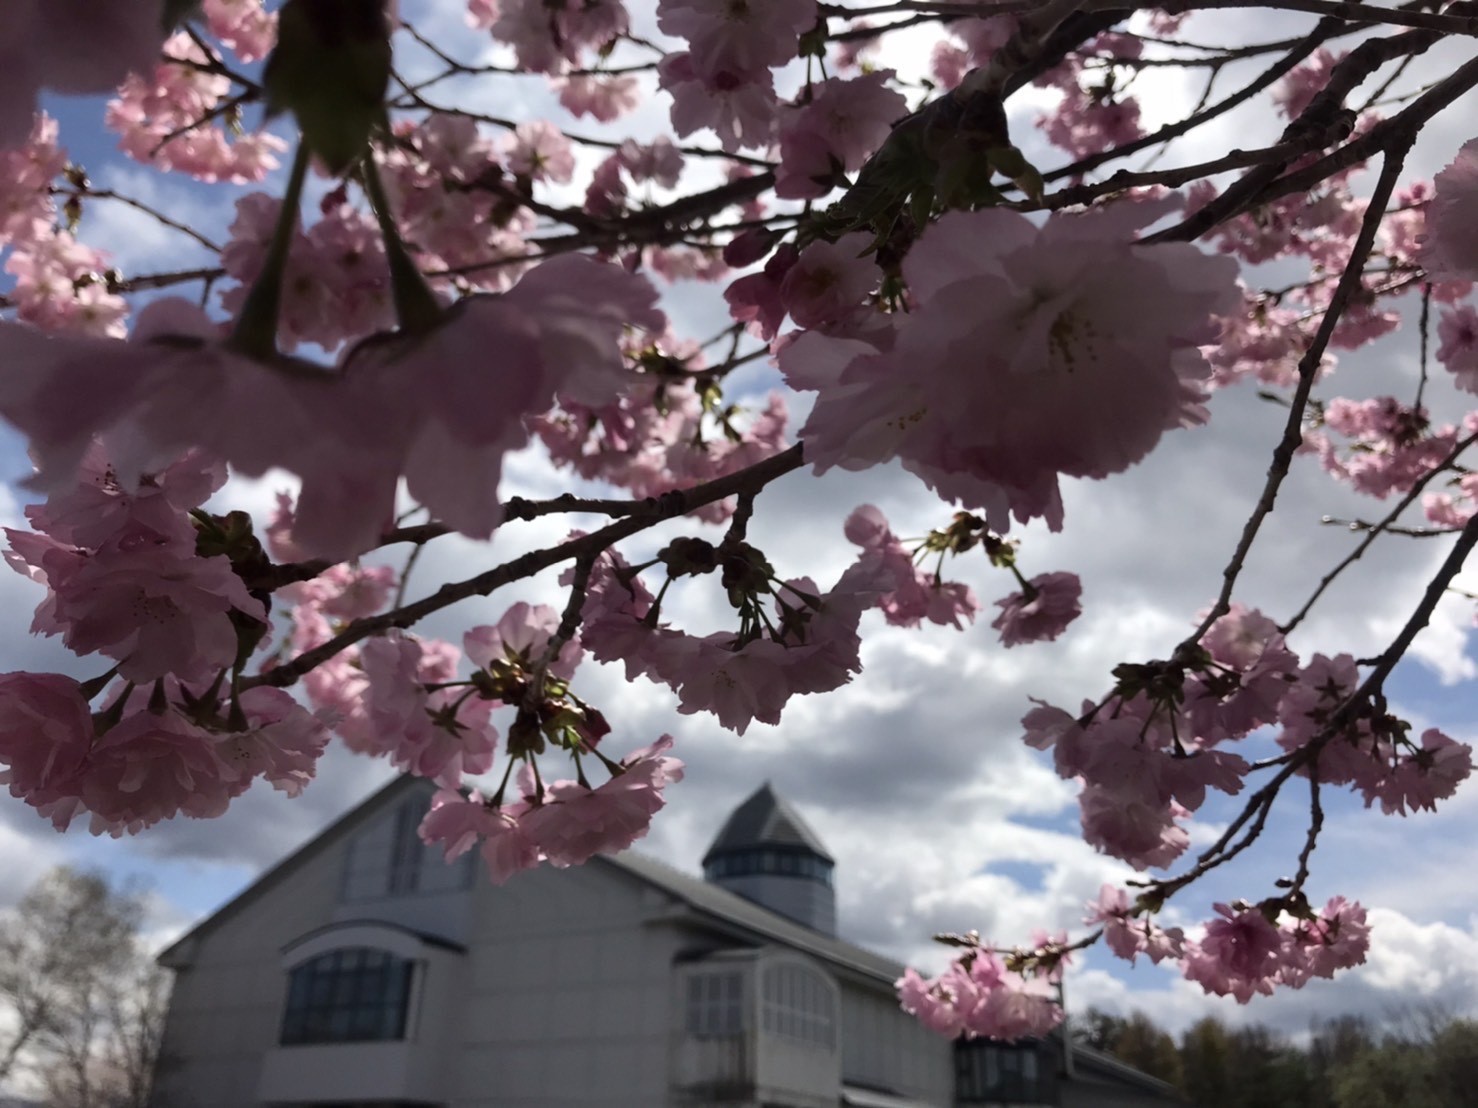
{"points": [[883, 1046], [568, 994], [226, 1009]]}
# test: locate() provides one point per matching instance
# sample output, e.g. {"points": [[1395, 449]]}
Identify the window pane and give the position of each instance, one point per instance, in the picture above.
{"points": [[351, 995]]}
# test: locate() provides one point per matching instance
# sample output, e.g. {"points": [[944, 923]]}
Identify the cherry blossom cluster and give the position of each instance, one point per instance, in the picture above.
{"points": [[401, 698], [667, 430], [349, 436], [793, 638], [1148, 753], [1390, 445], [336, 283], [548, 39], [59, 282], [985, 995], [165, 114], [725, 80], [137, 573], [1079, 384], [563, 822], [470, 287], [1246, 949]]}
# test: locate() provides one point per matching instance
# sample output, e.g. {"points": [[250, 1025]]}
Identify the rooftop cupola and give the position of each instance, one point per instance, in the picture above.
{"points": [[767, 854]]}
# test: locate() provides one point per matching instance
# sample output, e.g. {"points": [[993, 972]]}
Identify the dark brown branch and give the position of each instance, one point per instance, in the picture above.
{"points": [[587, 546]]}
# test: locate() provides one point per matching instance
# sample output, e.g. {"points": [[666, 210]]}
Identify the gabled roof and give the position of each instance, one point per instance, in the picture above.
{"points": [[735, 914], [765, 820], [719, 906], [400, 787]]}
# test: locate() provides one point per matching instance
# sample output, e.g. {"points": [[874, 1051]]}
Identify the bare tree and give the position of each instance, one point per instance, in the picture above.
{"points": [[86, 1003]]}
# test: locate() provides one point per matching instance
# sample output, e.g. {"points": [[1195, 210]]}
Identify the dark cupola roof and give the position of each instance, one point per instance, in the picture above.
{"points": [[765, 820]]}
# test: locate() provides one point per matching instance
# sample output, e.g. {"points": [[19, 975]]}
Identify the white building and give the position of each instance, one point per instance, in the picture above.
{"points": [[364, 971]]}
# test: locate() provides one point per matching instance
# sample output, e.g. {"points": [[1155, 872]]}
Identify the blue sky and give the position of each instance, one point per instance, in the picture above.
{"points": [[914, 775]]}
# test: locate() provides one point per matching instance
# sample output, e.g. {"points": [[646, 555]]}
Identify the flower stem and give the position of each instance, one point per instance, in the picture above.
{"points": [[255, 333], [416, 306]]}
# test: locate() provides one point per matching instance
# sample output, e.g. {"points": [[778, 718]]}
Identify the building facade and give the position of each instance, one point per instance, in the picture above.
{"points": [[363, 970]]}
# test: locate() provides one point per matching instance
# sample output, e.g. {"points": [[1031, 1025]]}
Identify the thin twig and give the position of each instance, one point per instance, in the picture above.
{"points": [[1308, 368], [1378, 529], [755, 477]]}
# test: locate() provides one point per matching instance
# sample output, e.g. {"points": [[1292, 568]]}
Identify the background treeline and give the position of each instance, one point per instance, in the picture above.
{"points": [[1424, 1058], [81, 1001]]}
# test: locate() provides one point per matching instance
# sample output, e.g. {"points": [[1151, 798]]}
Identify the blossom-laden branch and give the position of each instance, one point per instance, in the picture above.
{"points": [[470, 285], [527, 565]]}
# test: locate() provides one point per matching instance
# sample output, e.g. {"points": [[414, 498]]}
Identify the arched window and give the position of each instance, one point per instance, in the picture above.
{"points": [[352, 995]]}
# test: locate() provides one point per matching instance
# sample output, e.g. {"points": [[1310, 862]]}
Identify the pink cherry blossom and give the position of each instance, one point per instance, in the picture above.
{"points": [[1420, 778], [27, 170], [1041, 612], [1142, 832], [346, 592], [758, 298], [734, 42], [741, 111], [1239, 956], [830, 281], [1393, 444], [242, 26], [1127, 937], [152, 766], [978, 996], [1457, 334], [604, 99], [1450, 249], [46, 733], [57, 286], [546, 40], [575, 822], [539, 150], [659, 161], [101, 508], [1337, 938], [164, 116], [282, 744], [914, 595], [841, 125], [1085, 365], [522, 637], [459, 822], [441, 734], [337, 279], [155, 608]]}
